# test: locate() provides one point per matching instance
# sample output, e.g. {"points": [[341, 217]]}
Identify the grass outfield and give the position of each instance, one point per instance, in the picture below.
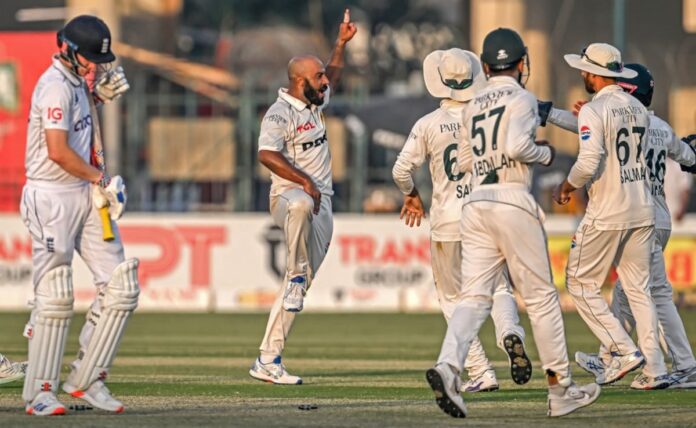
{"points": [[362, 370]]}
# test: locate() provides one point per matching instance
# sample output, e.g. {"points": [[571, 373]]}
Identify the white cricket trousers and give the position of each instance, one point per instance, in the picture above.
{"points": [[673, 337], [307, 238], [446, 261], [62, 220], [495, 234], [592, 255]]}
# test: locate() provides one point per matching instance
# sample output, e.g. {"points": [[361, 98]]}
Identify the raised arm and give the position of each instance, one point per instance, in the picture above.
{"points": [[346, 31]]}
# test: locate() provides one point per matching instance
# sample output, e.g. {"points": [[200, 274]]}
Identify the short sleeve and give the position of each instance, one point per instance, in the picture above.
{"points": [[54, 102], [273, 130]]}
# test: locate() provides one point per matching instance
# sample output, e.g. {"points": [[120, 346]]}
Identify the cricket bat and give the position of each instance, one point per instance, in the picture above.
{"points": [[97, 160]]}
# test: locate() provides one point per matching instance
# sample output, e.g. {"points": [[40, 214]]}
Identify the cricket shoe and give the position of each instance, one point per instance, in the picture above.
{"points": [[591, 363], [45, 404], [683, 379], [273, 372], [446, 385], [10, 372], [520, 365], [485, 382], [647, 383], [574, 398], [98, 395], [620, 366], [293, 299]]}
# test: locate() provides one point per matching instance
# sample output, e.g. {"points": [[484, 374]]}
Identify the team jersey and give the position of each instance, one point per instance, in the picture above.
{"points": [[60, 102], [435, 137], [613, 131], [298, 131], [662, 144], [498, 143]]}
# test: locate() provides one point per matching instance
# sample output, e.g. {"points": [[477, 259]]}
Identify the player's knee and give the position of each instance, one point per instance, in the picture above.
{"points": [[54, 293], [122, 291], [301, 206]]}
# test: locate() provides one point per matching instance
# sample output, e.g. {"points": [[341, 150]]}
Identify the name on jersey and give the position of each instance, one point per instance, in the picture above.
{"points": [[463, 191], [84, 123], [316, 143], [493, 163], [489, 99], [633, 174], [657, 189]]}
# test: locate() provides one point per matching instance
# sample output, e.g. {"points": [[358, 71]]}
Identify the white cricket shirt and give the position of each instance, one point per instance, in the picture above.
{"points": [[298, 131], [435, 137], [59, 101], [613, 131]]}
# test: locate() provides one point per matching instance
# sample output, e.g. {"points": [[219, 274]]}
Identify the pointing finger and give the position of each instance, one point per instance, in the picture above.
{"points": [[346, 16]]}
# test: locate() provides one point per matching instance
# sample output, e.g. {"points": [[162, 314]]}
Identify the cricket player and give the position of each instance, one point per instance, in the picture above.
{"points": [[503, 225], [10, 371], [455, 75], [662, 144], [618, 227], [59, 208], [293, 145]]}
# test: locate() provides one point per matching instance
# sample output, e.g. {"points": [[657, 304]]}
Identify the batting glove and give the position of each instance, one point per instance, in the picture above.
{"points": [[116, 194], [691, 141], [111, 85]]}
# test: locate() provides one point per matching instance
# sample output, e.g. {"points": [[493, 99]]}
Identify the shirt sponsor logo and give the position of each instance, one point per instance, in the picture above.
{"points": [[83, 123], [316, 143], [54, 114], [306, 127], [276, 118], [585, 133]]}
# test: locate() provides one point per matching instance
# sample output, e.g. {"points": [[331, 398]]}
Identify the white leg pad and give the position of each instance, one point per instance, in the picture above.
{"points": [[119, 298], [47, 331]]}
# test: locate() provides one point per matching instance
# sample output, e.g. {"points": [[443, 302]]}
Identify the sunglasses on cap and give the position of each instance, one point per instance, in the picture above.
{"points": [[454, 83], [611, 66]]}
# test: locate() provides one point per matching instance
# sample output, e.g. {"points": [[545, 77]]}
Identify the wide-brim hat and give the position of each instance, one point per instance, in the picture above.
{"points": [[453, 73], [601, 59]]}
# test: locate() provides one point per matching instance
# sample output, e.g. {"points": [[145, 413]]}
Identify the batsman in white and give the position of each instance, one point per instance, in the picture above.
{"points": [[618, 227], [294, 146], [59, 207], [662, 144], [455, 75], [11, 371], [502, 225]]}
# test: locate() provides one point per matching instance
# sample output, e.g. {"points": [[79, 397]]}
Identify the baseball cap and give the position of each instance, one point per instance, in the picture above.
{"points": [[90, 37], [453, 73], [640, 86], [502, 48], [601, 59]]}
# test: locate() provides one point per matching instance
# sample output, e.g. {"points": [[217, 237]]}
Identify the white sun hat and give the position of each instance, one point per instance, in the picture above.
{"points": [[454, 73], [601, 59]]}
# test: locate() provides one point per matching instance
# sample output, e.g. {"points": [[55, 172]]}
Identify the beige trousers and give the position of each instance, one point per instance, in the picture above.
{"points": [[592, 254], [307, 237]]}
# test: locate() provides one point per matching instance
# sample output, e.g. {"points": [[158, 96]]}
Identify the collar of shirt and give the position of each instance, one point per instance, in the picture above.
{"points": [[503, 79], [607, 90], [299, 105], [75, 80], [452, 105]]}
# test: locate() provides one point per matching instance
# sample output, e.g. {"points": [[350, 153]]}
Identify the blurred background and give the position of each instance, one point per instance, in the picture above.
{"points": [[202, 74]]}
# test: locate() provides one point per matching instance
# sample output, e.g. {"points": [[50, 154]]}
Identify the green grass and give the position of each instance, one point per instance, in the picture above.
{"points": [[362, 370]]}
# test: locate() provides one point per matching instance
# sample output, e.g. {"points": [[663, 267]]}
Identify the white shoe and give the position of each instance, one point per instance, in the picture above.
{"points": [[295, 291], [574, 398], [98, 395], [683, 379], [483, 383], [273, 372], [45, 404], [10, 372], [591, 363], [520, 365], [646, 383], [620, 366], [446, 385]]}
